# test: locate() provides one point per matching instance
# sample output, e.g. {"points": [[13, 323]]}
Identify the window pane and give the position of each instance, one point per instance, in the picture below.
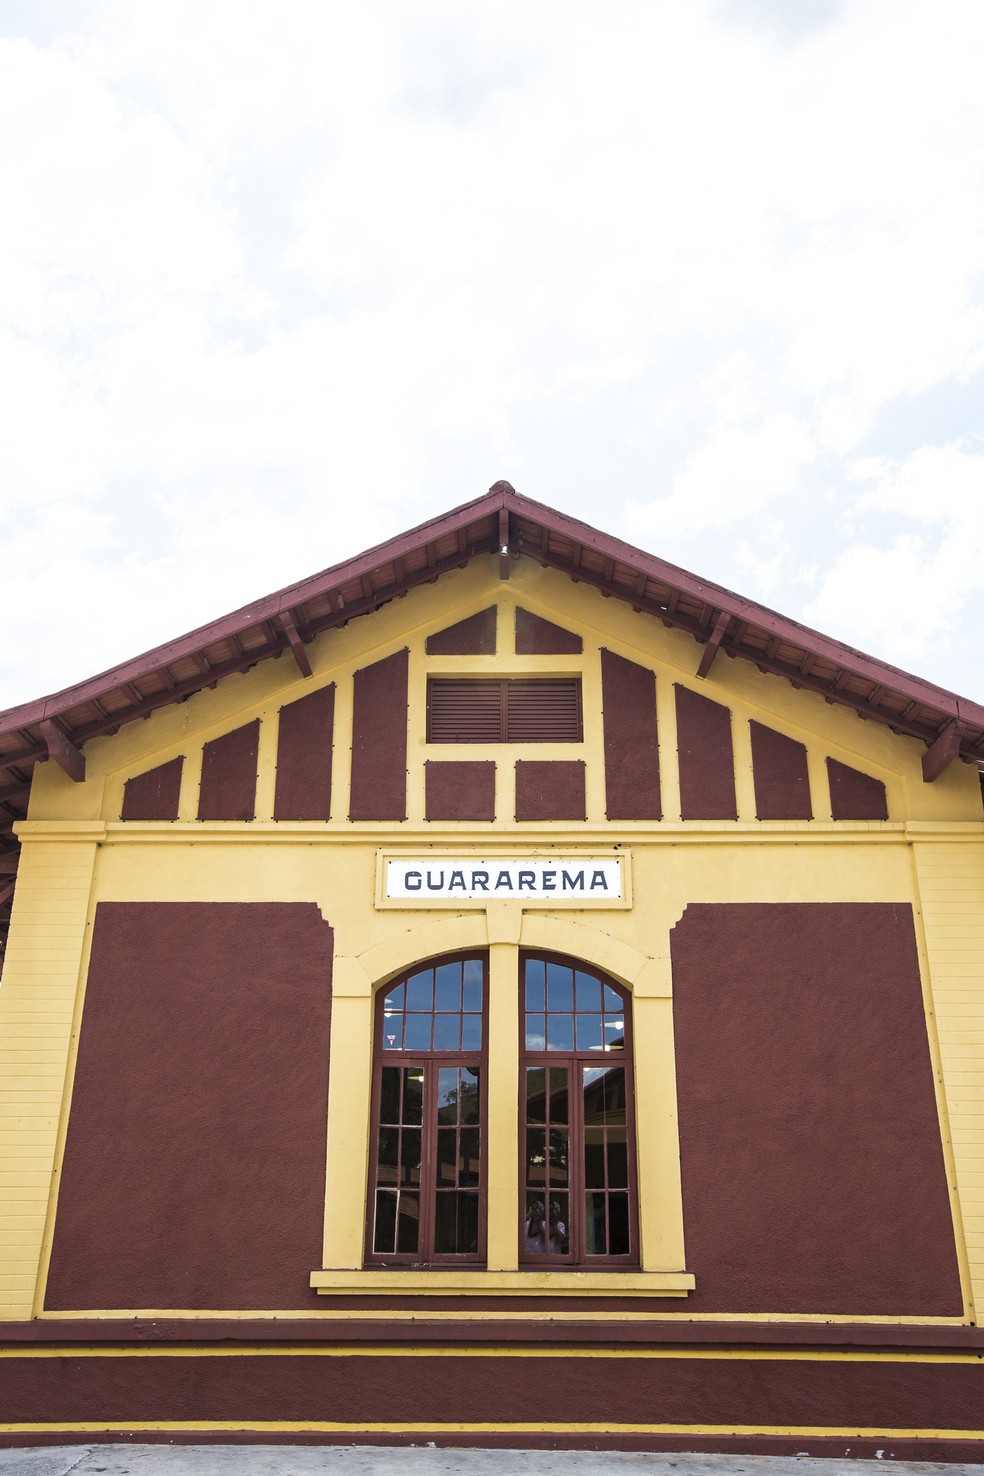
{"points": [[408, 1223], [467, 1223], [389, 1154], [394, 1000], [447, 1094], [534, 984], [618, 1159], [384, 1234], [588, 992], [536, 1094], [389, 1094], [413, 1094], [468, 1157], [536, 1156], [618, 1225], [560, 987], [614, 1033], [392, 1031], [448, 987], [560, 1032], [420, 991], [589, 1035], [546, 1225], [418, 1036], [595, 1236], [613, 1001], [447, 1032], [557, 1160], [469, 1094], [410, 1156], [536, 1032], [471, 1032], [447, 1156], [594, 1158], [558, 1094], [473, 984]]}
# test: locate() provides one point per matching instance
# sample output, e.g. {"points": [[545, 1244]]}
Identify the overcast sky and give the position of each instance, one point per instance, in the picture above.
{"points": [[278, 281]]}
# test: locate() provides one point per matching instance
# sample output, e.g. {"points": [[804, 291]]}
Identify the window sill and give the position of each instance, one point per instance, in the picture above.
{"points": [[505, 1283]]}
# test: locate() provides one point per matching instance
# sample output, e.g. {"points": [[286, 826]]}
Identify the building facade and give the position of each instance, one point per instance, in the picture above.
{"points": [[508, 990]]}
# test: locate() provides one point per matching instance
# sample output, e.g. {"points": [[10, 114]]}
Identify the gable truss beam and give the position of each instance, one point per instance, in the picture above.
{"points": [[61, 748], [295, 642], [940, 755], [713, 643], [503, 543]]}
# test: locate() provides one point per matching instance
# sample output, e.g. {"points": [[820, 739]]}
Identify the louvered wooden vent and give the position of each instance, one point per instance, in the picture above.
{"points": [[517, 710]]}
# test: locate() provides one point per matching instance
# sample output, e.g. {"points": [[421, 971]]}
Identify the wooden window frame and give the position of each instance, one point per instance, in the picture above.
{"points": [[507, 719], [576, 1258], [430, 1061]]}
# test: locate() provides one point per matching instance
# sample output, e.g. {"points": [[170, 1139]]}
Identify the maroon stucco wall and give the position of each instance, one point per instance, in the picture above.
{"points": [[548, 790], [379, 740], [813, 1176], [707, 760], [473, 636], [228, 790], [154, 795], [304, 750], [459, 790], [853, 795], [538, 637], [628, 694], [194, 1169], [782, 782]]}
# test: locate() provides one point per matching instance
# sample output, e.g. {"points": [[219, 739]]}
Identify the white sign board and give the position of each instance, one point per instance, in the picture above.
{"points": [[463, 878]]}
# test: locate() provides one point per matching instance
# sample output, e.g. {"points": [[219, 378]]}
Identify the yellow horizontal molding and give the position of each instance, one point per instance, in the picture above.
{"points": [[546, 834], [389, 1314], [480, 1350], [505, 1283], [480, 1427]]}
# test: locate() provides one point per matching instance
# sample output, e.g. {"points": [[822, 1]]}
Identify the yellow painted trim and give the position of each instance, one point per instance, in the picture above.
{"points": [[506, 1283], [502, 1170], [305, 1350], [389, 1314], [475, 1427]]}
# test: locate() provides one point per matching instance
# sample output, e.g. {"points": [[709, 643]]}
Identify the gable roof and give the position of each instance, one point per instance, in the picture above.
{"points": [[514, 526]]}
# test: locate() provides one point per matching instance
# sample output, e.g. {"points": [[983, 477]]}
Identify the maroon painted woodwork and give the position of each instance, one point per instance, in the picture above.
{"points": [[155, 794], [713, 643], [550, 790], [504, 542], [296, 643], [706, 758], [942, 752], [459, 791], [473, 636], [631, 741], [60, 747], [228, 790], [538, 637], [379, 740], [577, 1116], [853, 795], [782, 780], [427, 1171], [504, 710], [812, 1164], [195, 1159], [304, 755]]}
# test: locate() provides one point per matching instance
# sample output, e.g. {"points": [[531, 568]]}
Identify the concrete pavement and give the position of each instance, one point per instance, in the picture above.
{"points": [[364, 1460]]}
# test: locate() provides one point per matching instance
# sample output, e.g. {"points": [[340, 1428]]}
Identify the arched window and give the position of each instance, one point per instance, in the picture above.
{"points": [[578, 1203], [427, 1165]]}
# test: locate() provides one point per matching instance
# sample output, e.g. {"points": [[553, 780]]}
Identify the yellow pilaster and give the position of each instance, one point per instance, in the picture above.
{"points": [[950, 875], [503, 1142], [658, 1151], [349, 1095], [38, 1029]]}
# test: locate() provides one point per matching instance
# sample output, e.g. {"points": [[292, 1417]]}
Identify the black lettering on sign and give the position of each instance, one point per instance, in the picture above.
{"points": [[572, 882], [435, 886], [598, 879], [504, 880], [480, 881], [457, 880], [414, 881], [549, 885]]}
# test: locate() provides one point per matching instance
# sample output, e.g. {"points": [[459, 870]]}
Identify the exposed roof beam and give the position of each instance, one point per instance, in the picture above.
{"points": [[6, 891], [713, 644], [61, 748], [9, 863], [503, 543], [940, 755], [296, 644]]}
